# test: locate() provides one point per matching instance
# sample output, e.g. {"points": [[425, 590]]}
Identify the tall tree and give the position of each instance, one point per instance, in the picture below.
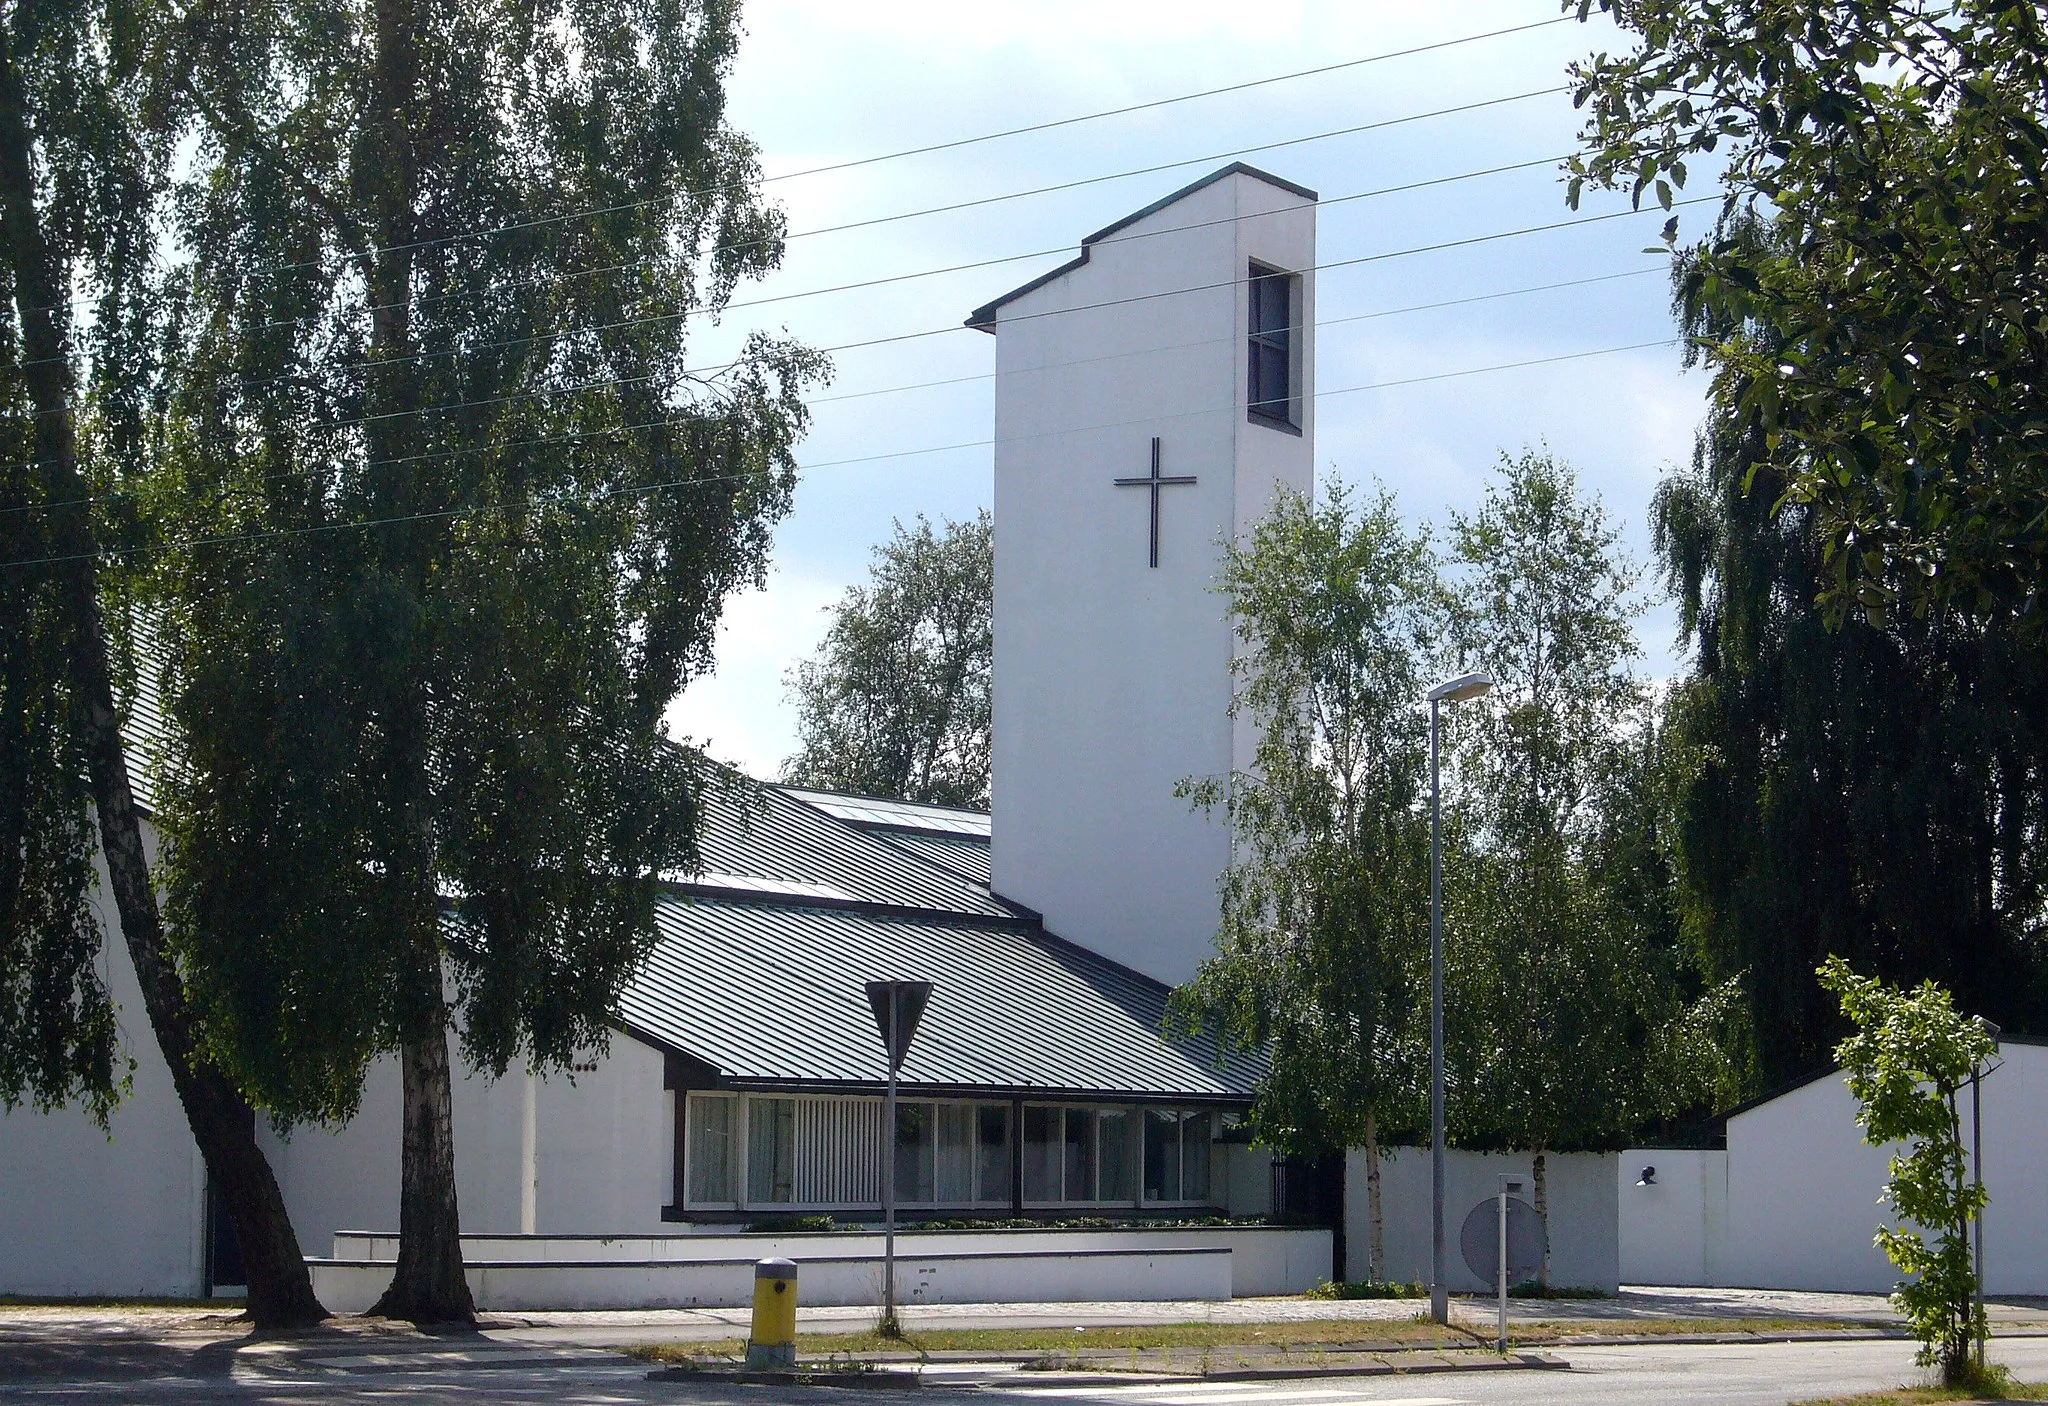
{"points": [[78, 181], [1873, 790], [1563, 1010], [1893, 352], [1319, 955], [896, 702], [448, 518]]}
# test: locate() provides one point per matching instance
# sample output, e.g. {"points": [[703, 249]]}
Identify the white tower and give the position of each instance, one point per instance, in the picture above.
{"points": [[1177, 347]]}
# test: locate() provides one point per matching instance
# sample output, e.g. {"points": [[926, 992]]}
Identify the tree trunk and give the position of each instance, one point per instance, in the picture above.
{"points": [[1376, 1241], [280, 1289], [428, 1286], [1542, 1179]]}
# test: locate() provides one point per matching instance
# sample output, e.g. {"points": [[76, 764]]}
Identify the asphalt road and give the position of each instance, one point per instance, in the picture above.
{"points": [[480, 1370]]}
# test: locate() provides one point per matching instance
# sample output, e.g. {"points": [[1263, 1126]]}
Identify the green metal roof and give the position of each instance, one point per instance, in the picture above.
{"points": [[769, 994]]}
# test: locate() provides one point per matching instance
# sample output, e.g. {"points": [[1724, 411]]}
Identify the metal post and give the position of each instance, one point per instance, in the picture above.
{"points": [[1439, 1293], [889, 1174], [1977, 1175], [1500, 1267]]}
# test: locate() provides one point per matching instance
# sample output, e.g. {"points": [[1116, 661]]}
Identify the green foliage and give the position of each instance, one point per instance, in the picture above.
{"points": [[1889, 347], [1369, 1289], [1320, 957], [896, 702], [434, 744], [1839, 786], [88, 194], [1569, 1013], [57, 1032], [1910, 1054]]}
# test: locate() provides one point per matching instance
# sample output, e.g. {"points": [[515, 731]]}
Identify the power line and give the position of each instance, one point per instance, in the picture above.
{"points": [[652, 319], [602, 495], [980, 202], [959, 142], [1319, 325]]}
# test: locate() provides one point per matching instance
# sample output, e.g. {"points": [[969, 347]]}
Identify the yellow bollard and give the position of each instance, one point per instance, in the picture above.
{"points": [[772, 1345]]}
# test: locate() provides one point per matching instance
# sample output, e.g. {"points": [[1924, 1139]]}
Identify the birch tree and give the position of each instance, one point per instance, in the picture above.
{"points": [[1322, 955]]}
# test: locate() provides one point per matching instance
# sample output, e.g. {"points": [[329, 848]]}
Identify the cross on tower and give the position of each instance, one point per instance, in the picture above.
{"points": [[1154, 482]]}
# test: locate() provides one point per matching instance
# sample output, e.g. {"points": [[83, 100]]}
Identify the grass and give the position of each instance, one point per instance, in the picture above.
{"points": [[1203, 1343], [2008, 1390], [116, 1301]]}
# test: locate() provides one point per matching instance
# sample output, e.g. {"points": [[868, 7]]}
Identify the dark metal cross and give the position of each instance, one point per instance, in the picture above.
{"points": [[1154, 482]]}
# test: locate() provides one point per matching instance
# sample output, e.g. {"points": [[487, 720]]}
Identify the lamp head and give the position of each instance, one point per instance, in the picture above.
{"points": [[1648, 1178], [1464, 686]]}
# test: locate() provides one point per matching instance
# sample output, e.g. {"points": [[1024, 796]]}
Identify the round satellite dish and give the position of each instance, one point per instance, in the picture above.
{"points": [[1480, 1240]]}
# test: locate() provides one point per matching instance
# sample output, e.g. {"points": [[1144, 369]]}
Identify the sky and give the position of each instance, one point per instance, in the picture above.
{"points": [[818, 83]]}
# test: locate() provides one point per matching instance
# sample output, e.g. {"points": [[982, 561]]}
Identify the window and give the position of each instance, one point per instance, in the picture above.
{"points": [[992, 1146], [710, 1148], [771, 1150], [1270, 392], [1197, 1132], [1162, 1155], [1114, 1157], [1043, 1141], [913, 1152], [1177, 1154], [1080, 1158], [954, 1182]]}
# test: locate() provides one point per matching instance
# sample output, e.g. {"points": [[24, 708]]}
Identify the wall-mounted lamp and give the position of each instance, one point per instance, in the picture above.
{"points": [[1648, 1178]]}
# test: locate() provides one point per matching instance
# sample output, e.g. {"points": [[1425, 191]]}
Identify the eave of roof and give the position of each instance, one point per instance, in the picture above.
{"points": [[983, 318]]}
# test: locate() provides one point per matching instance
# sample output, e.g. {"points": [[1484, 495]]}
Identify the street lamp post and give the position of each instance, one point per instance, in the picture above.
{"points": [[1449, 691]]}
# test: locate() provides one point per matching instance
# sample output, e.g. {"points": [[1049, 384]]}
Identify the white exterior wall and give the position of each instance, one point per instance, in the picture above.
{"points": [[1794, 1201], [1112, 679], [604, 1154], [117, 1212], [1584, 1249]]}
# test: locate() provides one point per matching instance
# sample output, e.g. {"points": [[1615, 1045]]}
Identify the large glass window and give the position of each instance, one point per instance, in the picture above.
{"points": [[1080, 1155], [954, 1181], [1114, 1155], [992, 1145], [1269, 381], [913, 1152], [1197, 1133], [709, 1132], [1044, 1142], [1162, 1155], [1177, 1154], [771, 1150]]}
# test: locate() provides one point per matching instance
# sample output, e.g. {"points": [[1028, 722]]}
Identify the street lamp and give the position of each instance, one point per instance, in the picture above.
{"points": [[1455, 690]]}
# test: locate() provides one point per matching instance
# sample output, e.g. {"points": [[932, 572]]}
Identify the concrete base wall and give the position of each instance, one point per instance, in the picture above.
{"points": [[840, 1280], [1261, 1261], [1584, 1243]]}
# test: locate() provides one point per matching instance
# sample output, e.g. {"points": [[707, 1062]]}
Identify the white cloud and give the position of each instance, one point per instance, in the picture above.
{"points": [[739, 711]]}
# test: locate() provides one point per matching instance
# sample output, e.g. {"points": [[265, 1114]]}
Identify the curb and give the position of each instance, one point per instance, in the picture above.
{"points": [[880, 1379], [1513, 1362]]}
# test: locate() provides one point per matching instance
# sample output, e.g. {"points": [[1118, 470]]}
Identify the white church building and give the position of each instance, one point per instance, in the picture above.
{"points": [[1152, 397]]}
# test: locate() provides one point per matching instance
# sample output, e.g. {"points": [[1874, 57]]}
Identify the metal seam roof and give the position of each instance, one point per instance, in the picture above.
{"points": [[774, 994]]}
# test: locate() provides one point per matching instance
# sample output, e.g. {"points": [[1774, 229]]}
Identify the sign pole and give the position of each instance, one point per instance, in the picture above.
{"points": [[889, 1326], [1501, 1266]]}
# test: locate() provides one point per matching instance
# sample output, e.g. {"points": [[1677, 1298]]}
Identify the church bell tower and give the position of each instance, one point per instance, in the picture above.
{"points": [[1152, 397]]}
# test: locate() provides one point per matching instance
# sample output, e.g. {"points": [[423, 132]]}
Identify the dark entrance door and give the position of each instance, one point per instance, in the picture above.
{"points": [[1310, 1191]]}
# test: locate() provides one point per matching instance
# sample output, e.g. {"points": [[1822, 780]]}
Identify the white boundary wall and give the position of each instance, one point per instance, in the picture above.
{"points": [[1584, 1251], [1793, 1203]]}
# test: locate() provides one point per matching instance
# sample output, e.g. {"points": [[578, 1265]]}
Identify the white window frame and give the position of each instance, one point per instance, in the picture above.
{"points": [[1097, 1110]]}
